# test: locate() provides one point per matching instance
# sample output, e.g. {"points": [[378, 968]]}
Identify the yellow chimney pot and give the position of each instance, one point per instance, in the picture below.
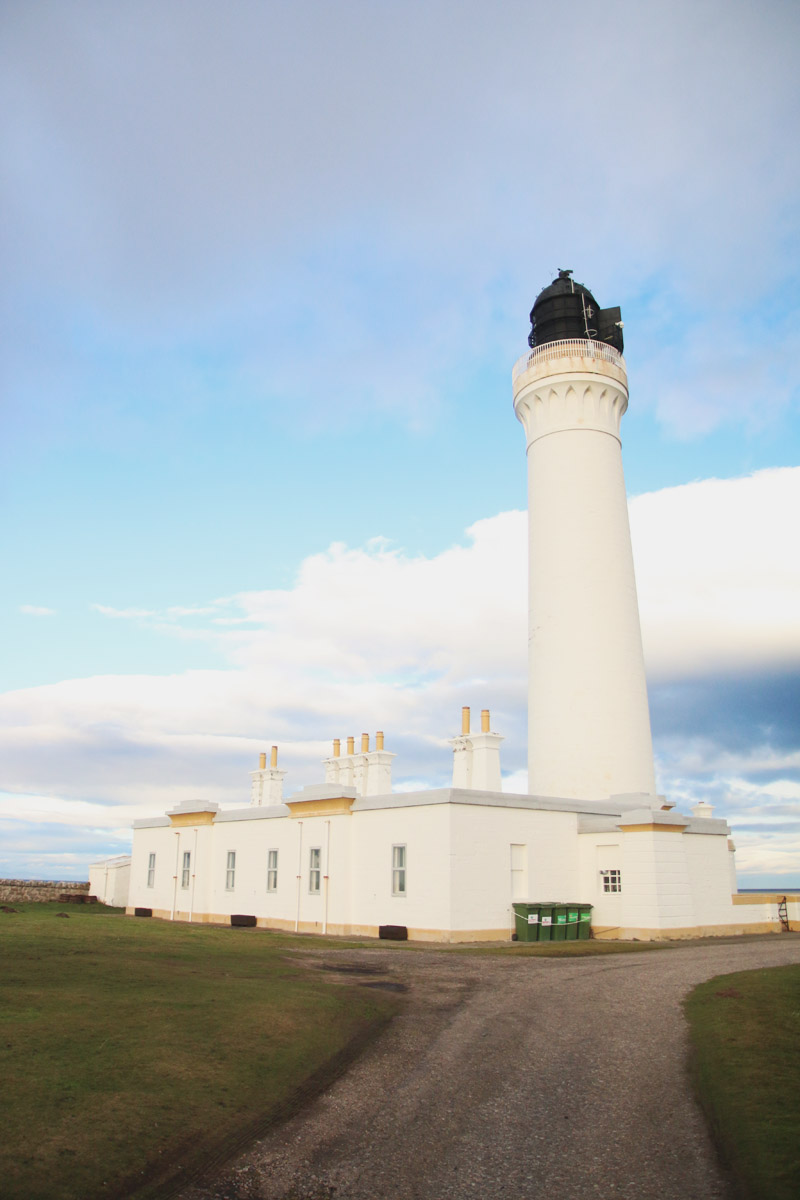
{"points": [[465, 720]]}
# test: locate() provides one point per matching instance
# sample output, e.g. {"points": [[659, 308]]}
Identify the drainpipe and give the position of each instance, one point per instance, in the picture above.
{"points": [[194, 876], [175, 876], [327, 873], [299, 876]]}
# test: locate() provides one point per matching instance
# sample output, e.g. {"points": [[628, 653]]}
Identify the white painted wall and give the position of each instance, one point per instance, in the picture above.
{"points": [[480, 865], [596, 852], [425, 830], [157, 838], [588, 716], [708, 863], [656, 893], [109, 880], [458, 867]]}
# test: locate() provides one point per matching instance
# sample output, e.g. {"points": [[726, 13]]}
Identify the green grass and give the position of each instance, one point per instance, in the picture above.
{"points": [[745, 1035], [130, 1048]]}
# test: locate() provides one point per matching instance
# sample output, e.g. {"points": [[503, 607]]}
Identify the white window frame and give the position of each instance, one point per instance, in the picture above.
{"points": [[230, 871], [151, 869], [186, 869], [314, 870], [612, 879], [272, 870], [399, 861]]}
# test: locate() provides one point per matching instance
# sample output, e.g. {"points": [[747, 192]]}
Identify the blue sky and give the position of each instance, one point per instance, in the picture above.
{"points": [[267, 269]]}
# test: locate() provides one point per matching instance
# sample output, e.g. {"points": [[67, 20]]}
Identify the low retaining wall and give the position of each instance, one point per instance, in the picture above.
{"points": [[40, 889]]}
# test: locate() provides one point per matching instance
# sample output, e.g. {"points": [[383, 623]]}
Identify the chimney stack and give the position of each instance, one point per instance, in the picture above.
{"points": [[267, 782]]}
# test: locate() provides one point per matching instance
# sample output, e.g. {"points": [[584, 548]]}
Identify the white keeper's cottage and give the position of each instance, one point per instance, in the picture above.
{"points": [[349, 856]]}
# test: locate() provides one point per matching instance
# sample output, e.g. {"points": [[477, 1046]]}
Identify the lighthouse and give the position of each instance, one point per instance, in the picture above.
{"points": [[588, 716], [470, 862]]}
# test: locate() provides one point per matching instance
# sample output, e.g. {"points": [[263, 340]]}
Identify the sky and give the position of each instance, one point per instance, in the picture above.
{"points": [[266, 270]]}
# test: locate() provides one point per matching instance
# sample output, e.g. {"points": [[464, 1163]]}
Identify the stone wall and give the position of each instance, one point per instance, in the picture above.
{"points": [[40, 889]]}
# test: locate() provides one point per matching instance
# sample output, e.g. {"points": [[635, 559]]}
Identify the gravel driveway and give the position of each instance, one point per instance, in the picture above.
{"points": [[526, 1079]]}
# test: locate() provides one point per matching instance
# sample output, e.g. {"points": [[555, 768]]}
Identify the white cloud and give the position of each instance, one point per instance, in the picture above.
{"points": [[767, 854], [237, 207], [703, 758], [516, 782], [46, 809], [374, 638], [37, 610], [125, 614], [718, 574]]}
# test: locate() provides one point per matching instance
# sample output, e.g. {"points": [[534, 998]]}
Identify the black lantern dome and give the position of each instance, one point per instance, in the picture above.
{"points": [[567, 309]]}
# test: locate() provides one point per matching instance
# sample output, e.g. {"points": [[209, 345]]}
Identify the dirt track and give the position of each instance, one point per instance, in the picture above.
{"points": [[526, 1079]]}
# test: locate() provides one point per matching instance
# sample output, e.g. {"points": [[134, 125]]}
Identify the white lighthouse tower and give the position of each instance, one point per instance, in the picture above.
{"points": [[588, 717]]}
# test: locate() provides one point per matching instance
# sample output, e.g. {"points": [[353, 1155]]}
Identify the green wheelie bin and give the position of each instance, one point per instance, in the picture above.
{"points": [[526, 921], [546, 921], [559, 927], [584, 922], [573, 922]]}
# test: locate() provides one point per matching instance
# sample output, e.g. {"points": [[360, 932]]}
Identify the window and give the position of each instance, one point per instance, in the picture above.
{"points": [[151, 870], [187, 869], [230, 871], [314, 869], [612, 880], [398, 870], [272, 870]]}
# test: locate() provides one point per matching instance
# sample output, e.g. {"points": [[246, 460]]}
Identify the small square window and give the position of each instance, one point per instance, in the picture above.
{"points": [[230, 871], [398, 870], [186, 869], [314, 870], [272, 870], [151, 870], [612, 880]]}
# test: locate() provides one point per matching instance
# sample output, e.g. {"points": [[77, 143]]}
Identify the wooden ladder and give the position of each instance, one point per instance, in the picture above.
{"points": [[783, 915]]}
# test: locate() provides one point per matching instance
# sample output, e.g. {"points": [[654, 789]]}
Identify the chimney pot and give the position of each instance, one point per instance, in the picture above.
{"points": [[379, 740], [465, 720], [262, 761], [273, 758], [484, 720]]}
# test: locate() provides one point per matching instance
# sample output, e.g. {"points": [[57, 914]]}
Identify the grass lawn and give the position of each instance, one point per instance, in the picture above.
{"points": [[129, 1048], [132, 1049], [745, 1034]]}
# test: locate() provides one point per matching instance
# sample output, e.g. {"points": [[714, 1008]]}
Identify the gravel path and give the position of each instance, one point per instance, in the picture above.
{"points": [[526, 1079]]}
